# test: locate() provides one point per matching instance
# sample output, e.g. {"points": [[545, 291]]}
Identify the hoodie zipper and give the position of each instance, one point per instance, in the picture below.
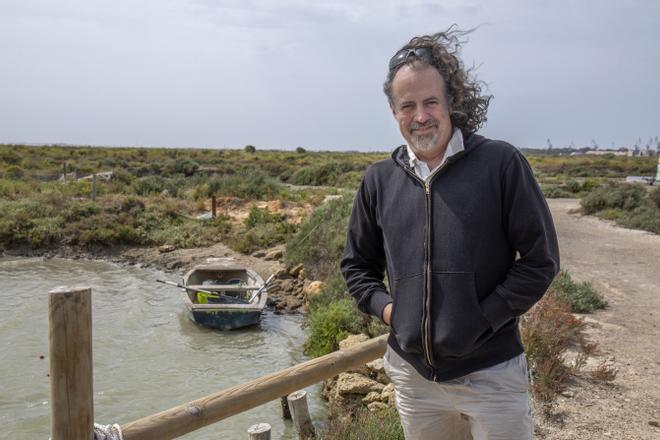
{"points": [[426, 319]]}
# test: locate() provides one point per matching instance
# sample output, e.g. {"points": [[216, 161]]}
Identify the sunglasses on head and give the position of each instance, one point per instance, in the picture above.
{"points": [[402, 56]]}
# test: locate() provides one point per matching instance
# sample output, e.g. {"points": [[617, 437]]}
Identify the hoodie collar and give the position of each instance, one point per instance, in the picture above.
{"points": [[470, 143]]}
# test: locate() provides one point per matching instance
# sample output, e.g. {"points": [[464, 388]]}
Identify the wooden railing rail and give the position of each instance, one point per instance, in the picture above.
{"points": [[69, 378], [198, 413]]}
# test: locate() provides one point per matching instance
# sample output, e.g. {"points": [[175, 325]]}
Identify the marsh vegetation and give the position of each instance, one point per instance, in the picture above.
{"points": [[266, 198]]}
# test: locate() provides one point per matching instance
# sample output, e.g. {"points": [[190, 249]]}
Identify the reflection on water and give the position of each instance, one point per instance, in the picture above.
{"points": [[148, 356]]}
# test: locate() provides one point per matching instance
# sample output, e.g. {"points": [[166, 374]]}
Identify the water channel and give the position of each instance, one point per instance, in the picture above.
{"points": [[148, 356]]}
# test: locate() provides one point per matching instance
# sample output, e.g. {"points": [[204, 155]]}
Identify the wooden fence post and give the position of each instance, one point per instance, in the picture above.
{"points": [[70, 361], [64, 171], [260, 431], [286, 412], [300, 414], [213, 206], [94, 187]]}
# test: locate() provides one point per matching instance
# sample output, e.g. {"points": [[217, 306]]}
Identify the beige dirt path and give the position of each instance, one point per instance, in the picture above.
{"points": [[624, 265]]}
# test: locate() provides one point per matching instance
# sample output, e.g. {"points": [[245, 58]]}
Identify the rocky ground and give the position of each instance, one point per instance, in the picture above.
{"points": [[367, 385]]}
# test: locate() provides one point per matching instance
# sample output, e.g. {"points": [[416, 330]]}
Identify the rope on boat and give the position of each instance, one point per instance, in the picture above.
{"points": [[107, 432]]}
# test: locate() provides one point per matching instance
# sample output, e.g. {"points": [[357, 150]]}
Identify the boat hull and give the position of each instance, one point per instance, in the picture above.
{"points": [[224, 296], [225, 319]]}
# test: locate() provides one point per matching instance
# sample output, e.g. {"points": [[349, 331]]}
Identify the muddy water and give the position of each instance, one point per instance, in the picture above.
{"points": [[148, 356]]}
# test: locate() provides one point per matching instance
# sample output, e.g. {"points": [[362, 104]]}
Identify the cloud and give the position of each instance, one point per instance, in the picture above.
{"points": [[199, 72]]}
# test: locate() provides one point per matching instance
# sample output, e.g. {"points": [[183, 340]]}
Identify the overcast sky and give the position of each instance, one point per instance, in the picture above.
{"points": [[286, 73]]}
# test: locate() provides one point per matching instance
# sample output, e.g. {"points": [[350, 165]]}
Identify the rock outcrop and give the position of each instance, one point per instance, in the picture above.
{"points": [[366, 385], [290, 290]]}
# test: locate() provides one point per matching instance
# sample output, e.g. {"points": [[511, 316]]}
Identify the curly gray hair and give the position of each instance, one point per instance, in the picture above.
{"points": [[467, 105]]}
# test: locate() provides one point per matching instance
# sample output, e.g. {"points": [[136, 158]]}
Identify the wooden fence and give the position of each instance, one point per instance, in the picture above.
{"points": [[71, 378]]}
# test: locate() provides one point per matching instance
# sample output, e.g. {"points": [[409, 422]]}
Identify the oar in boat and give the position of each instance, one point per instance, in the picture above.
{"points": [[208, 292], [256, 294]]}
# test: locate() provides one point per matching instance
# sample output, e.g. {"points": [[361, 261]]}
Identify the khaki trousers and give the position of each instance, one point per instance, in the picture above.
{"points": [[490, 404]]}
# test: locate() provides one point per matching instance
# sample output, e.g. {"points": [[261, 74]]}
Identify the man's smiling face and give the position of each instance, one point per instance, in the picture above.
{"points": [[421, 109]]}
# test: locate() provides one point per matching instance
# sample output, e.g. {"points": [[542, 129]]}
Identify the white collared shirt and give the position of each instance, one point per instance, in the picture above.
{"points": [[454, 146]]}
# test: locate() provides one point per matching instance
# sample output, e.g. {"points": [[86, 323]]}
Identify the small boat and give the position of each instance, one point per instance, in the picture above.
{"points": [[224, 295]]}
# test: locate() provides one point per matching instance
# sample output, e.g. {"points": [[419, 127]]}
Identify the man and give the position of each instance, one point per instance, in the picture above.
{"points": [[445, 218]]}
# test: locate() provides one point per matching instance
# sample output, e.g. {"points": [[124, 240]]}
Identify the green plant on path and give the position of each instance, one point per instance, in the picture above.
{"points": [[547, 330], [364, 425], [330, 324], [582, 297]]}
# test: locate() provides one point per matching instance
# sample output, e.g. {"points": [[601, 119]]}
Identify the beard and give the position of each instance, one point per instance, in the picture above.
{"points": [[424, 142]]}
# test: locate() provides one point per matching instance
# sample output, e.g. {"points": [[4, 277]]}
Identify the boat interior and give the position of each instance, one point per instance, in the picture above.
{"points": [[229, 286]]}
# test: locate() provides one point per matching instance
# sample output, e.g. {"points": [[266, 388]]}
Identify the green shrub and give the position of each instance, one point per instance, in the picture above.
{"points": [[364, 425], [631, 206], [187, 234], [626, 197], [654, 195], [573, 186], [320, 241], [611, 214], [14, 172], [582, 297], [590, 184], [9, 157], [156, 168], [45, 232], [160, 223], [131, 204], [250, 149], [123, 177], [261, 236], [260, 216], [15, 189], [78, 188], [77, 210], [579, 171], [333, 174], [329, 325], [646, 217], [104, 229], [301, 150], [145, 186], [335, 290], [555, 192], [186, 167], [245, 185], [18, 218]]}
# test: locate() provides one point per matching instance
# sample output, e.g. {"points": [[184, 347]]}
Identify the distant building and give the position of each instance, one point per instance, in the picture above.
{"points": [[642, 152], [604, 152]]}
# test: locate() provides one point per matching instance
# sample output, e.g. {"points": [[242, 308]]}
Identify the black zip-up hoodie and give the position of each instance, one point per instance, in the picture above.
{"points": [[449, 248]]}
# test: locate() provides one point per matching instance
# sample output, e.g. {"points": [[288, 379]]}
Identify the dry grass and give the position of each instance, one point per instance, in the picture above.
{"points": [[604, 372], [547, 331]]}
